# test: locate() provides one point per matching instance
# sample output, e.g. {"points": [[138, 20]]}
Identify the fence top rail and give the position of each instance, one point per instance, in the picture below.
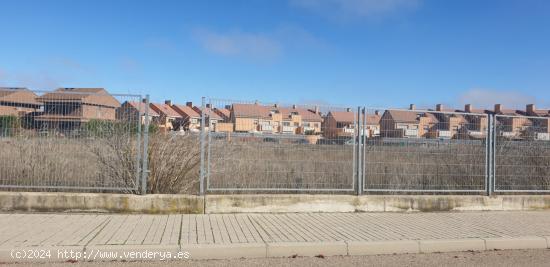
{"points": [[521, 117], [68, 92], [281, 104], [429, 111]]}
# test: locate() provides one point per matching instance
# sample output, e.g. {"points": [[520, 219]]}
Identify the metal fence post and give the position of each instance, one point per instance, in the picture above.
{"points": [[493, 152], [145, 167], [364, 159], [138, 146], [202, 143], [490, 154], [359, 134]]}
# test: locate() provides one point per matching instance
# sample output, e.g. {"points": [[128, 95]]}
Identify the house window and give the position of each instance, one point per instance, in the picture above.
{"points": [[286, 123], [307, 124], [341, 125]]}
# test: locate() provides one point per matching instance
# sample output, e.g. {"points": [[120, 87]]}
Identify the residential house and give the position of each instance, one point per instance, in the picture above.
{"points": [[372, 125], [17, 101], [511, 123], [541, 122], [407, 123], [224, 113], [69, 108], [252, 118], [191, 118], [450, 123], [275, 119], [169, 119], [477, 126], [297, 120], [340, 124], [214, 121], [134, 111]]}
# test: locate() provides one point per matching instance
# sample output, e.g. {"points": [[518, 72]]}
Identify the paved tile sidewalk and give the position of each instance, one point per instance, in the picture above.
{"points": [[290, 230]]}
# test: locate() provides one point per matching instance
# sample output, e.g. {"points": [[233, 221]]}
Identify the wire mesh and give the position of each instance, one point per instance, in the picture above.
{"points": [[424, 150], [69, 139], [254, 146], [522, 154]]}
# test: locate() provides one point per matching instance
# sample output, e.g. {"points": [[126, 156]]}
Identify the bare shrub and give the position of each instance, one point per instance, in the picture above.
{"points": [[173, 164]]}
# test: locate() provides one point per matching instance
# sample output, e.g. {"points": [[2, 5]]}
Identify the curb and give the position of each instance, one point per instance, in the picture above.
{"points": [[311, 249], [278, 249], [451, 245], [359, 248], [533, 242]]}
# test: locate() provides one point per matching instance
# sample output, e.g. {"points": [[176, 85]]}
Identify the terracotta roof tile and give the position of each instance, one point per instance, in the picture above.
{"points": [[223, 112], [166, 110], [404, 116], [342, 116], [18, 95], [251, 111], [140, 106], [307, 115], [186, 111], [93, 96]]}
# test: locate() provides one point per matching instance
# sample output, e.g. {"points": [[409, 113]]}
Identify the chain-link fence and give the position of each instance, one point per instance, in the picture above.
{"points": [[423, 150], [253, 146], [522, 154], [70, 139], [90, 140]]}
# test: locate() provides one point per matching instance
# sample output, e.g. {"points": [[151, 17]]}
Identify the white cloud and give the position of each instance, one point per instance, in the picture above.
{"points": [[486, 98], [256, 46], [351, 9]]}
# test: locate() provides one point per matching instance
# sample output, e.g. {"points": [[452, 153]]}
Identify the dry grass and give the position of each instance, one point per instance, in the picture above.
{"points": [[248, 164], [244, 163]]}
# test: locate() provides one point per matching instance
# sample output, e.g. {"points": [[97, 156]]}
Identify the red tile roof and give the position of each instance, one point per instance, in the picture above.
{"points": [[342, 116], [223, 112], [91, 96], [18, 95], [186, 111], [166, 110], [140, 106], [307, 115], [251, 111]]}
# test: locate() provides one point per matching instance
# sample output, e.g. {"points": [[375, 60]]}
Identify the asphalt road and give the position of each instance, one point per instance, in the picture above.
{"points": [[487, 258]]}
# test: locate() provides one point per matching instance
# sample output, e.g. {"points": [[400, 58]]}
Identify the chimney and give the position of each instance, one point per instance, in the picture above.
{"points": [[438, 107], [498, 108], [412, 106], [293, 106], [531, 109], [468, 108], [189, 104], [276, 105], [316, 109], [348, 109], [144, 100], [168, 102], [377, 112], [208, 105]]}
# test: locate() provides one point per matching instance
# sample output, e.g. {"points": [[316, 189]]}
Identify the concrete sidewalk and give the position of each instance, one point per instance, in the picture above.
{"points": [[110, 237]]}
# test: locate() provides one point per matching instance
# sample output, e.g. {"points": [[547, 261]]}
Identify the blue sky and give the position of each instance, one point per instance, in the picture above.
{"points": [[342, 52]]}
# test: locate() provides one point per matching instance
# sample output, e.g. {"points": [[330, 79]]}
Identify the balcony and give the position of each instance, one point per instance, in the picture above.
{"points": [[508, 134], [348, 130], [411, 133], [542, 136], [288, 129], [266, 128], [444, 134]]}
